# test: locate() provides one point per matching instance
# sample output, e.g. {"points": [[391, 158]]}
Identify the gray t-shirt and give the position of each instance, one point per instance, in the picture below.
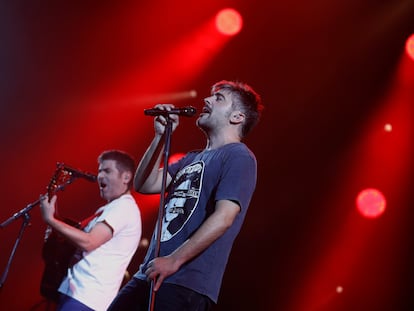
{"points": [[199, 180]]}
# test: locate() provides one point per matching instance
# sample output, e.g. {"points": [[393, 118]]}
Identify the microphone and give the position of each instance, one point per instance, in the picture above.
{"points": [[184, 111], [79, 174]]}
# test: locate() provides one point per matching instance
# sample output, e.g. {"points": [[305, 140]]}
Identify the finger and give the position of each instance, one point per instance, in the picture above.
{"points": [[148, 273], [164, 106], [161, 119], [174, 117], [158, 283], [53, 200]]}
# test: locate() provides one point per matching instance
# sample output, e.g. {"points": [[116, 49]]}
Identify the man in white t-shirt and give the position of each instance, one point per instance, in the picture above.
{"points": [[106, 244]]}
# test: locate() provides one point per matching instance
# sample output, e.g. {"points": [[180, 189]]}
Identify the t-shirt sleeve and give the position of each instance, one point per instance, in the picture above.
{"points": [[238, 179], [119, 216]]}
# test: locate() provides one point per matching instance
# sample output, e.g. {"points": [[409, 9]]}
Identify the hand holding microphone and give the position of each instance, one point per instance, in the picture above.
{"points": [[168, 114], [188, 111]]}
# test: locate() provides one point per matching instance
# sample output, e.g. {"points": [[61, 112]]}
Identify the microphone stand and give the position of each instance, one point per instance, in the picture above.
{"points": [[168, 132], [24, 213]]}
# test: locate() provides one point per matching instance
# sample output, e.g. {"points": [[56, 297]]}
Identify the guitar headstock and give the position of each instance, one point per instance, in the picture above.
{"points": [[59, 180]]}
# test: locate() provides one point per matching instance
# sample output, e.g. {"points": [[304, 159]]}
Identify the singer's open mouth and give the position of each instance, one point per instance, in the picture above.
{"points": [[102, 185], [205, 110]]}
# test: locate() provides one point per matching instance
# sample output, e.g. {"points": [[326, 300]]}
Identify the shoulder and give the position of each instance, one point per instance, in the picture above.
{"points": [[122, 211], [238, 150], [124, 203]]}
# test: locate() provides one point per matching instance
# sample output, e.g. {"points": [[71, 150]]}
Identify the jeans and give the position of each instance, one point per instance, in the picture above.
{"points": [[67, 303], [135, 295]]}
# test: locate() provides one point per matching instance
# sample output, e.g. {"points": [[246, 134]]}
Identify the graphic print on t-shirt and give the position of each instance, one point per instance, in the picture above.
{"points": [[184, 196]]}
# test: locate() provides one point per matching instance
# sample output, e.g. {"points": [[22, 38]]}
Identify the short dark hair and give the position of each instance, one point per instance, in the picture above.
{"points": [[248, 101], [124, 161]]}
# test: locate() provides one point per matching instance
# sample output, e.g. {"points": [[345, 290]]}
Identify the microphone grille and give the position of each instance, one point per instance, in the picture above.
{"points": [[189, 111]]}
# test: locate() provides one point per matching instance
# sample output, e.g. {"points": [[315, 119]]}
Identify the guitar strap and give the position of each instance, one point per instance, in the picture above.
{"points": [[86, 221]]}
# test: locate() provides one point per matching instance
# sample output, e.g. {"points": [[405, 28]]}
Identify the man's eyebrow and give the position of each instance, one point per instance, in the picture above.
{"points": [[218, 94]]}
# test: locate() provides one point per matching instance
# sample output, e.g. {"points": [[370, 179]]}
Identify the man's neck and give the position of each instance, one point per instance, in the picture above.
{"points": [[125, 192], [217, 142]]}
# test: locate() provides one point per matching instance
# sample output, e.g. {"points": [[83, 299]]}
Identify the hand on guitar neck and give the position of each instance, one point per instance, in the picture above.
{"points": [[57, 252]]}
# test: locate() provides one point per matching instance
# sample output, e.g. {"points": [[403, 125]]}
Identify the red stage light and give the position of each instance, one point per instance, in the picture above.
{"points": [[409, 46], [371, 203], [388, 127], [229, 22]]}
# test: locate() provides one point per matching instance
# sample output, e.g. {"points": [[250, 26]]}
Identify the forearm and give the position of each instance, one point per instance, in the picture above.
{"points": [[76, 236], [146, 175], [87, 241], [201, 240], [161, 267], [212, 229]]}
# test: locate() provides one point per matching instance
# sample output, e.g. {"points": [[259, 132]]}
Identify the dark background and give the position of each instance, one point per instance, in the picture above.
{"points": [[75, 77]]}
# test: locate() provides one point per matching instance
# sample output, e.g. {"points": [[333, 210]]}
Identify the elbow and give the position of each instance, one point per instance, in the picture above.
{"points": [[136, 187], [140, 189], [136, 184], [139, 186], [89, 248], [146, 188], [88, 245], [226, 225], [227, 222]]}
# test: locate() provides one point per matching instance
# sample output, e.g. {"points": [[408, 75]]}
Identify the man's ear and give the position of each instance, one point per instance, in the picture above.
{"points": [[237, 117], [127, 177]]}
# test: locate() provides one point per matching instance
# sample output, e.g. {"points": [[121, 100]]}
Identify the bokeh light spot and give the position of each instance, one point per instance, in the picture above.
{"points": [[371, 203], [229, 22], [409, 46], [388, 127]]}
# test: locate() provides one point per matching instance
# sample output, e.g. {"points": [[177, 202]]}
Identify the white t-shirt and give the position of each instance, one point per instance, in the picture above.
{"points": [[96, 278]]}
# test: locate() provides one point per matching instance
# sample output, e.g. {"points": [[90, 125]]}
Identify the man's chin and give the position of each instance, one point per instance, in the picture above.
{"points": [[200, 122], [104, 195]]}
